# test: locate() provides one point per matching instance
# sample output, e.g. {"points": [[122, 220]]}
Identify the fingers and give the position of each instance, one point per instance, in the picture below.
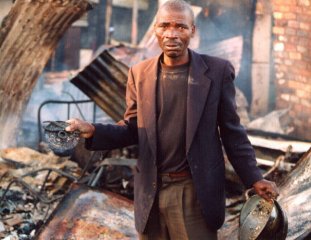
{"points": [[266, 195], [269, 196], [86, 129], [266, 189], [73, 125], [273, 191]]}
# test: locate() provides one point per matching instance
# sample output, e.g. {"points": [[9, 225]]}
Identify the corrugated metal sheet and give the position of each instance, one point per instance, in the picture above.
{"points": [[85, 213], [104, 81]]}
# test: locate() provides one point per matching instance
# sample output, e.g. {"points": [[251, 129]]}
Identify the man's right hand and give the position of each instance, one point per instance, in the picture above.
{"points": [[266, 189], [86, 129]]}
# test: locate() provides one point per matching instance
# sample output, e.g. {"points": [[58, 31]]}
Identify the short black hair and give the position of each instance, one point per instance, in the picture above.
{"points": [[178, 5]]}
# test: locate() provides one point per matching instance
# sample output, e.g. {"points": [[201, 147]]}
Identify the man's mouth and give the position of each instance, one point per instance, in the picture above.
{"points": [[171, 46]]}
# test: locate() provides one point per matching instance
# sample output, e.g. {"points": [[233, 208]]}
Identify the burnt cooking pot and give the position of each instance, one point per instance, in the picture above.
{"points": [[262, 220], [60, 141]]}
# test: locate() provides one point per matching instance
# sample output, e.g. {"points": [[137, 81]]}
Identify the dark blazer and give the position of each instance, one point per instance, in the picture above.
{"points": [[211, 121]]}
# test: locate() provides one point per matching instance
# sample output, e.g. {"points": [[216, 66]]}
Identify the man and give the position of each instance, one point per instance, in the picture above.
{"points": [[179, 105]]}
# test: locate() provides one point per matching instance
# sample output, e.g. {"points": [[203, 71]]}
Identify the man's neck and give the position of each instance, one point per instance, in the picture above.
{"points": [[169, 61]]}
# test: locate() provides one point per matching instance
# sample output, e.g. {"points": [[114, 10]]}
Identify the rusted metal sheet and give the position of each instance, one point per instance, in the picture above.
{"points": [[85, 213], [295, 197], [104, 81]]}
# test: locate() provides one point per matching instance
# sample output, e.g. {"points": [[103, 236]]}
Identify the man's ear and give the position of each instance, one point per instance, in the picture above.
{"points": [[193, 30]]}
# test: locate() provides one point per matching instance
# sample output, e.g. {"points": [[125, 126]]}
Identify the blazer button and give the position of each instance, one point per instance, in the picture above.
{"points": [[154, 185]]}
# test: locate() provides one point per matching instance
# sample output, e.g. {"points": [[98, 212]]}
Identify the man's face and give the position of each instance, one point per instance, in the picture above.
{"points": [[173, 30]]}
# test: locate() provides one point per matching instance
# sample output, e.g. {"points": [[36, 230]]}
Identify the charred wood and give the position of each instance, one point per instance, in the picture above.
{"points": [[28, 37]]}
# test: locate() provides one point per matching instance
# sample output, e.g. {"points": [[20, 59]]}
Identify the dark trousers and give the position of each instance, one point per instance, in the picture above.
{"points": [[176, 214]]}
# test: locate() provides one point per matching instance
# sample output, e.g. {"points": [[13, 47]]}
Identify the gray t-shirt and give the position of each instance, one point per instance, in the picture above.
{"points": [[171, 118]]}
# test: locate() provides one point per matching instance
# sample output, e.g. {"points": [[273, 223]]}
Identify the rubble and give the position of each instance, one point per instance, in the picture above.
{"points": [[85, 213], [31, 185], [276, 121], [38, 182], [279, 144], [295, 196]]}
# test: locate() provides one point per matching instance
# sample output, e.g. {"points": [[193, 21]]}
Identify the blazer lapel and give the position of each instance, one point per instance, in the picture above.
{"points": [[198, 88], [148, 85]]}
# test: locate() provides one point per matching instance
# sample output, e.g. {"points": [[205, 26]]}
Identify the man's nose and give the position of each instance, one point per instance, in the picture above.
{"points": [[171, 33]]}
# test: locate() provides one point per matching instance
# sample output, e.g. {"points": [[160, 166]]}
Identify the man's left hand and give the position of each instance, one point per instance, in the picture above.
{"points": [[266, 189]]}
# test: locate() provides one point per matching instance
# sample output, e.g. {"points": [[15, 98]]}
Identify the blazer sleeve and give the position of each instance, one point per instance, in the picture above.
{"points": [[234, 138], [123, 133]]}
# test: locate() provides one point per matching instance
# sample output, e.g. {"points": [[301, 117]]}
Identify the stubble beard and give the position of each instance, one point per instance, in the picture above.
{"points": [[172, 54]]}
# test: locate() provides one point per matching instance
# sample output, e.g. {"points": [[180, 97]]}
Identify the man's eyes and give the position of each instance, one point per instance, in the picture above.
{"points": [[181, 27]]}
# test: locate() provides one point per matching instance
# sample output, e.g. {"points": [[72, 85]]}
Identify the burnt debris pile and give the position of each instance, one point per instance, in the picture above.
{"points": [[31, 185]]}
